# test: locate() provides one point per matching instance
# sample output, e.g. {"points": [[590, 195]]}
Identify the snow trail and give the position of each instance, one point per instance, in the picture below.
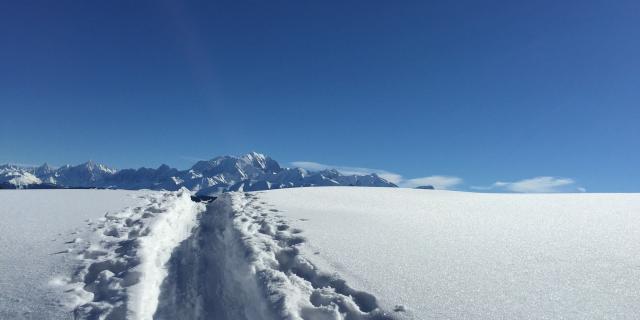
{"points": [[243, 262], [209, 275], [125, 264]]}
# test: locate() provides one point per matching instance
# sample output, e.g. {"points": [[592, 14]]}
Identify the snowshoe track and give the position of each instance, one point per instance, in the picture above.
{"points": [[239, 259], [123, 267], [244, 262]]}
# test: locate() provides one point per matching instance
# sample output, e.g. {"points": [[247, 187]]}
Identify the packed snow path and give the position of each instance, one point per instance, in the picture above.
{"points": [[243, 262], [41, 232]]}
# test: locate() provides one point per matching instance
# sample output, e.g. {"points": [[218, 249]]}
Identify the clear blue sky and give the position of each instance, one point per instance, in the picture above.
{"points": [[482, 90]]}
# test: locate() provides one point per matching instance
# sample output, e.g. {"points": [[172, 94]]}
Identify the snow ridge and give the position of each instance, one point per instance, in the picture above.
{"points": [[123, 268]]}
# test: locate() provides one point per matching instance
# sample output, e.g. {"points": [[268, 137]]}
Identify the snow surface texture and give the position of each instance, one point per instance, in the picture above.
{"points": [[125, 265], [451, 255], [39, 233], [322, 253]]}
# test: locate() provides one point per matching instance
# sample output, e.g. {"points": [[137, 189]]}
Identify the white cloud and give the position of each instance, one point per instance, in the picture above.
{"points": [[439, 182], [533, 185], [314, 166]]}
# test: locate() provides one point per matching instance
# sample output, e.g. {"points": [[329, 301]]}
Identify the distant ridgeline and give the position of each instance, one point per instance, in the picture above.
{"points": [[250, 172]]}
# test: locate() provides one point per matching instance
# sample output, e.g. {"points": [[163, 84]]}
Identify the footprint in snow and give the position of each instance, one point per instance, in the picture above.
{"points": [[76, 240], [399, 308]]}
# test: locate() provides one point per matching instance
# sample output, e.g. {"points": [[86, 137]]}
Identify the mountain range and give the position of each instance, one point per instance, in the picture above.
{"points": [[250, 172]]}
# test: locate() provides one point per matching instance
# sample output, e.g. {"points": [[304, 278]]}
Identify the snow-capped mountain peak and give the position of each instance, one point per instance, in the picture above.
{"points": [[13, 176], [250, 172], [261, 161], [97, 167], [45, 168]]}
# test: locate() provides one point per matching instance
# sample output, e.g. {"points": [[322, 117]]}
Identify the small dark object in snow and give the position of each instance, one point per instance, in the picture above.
{"points": [[202, 198]]}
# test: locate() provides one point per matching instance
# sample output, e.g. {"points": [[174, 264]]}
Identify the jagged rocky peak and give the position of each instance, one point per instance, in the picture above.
{"points": [[88, 174], [9, 166], [45, 168], [261, 161], [245, 166], [14, 176], [94, 166], [219, 163]]}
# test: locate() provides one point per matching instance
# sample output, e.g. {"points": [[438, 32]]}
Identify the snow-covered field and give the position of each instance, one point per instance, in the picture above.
{"points": [[37, 230], [455, 255], [319, 253]]}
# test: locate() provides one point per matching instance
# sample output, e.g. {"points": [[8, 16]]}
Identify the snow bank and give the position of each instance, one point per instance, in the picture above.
{"points": [[125, 263], [450, 255]]}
